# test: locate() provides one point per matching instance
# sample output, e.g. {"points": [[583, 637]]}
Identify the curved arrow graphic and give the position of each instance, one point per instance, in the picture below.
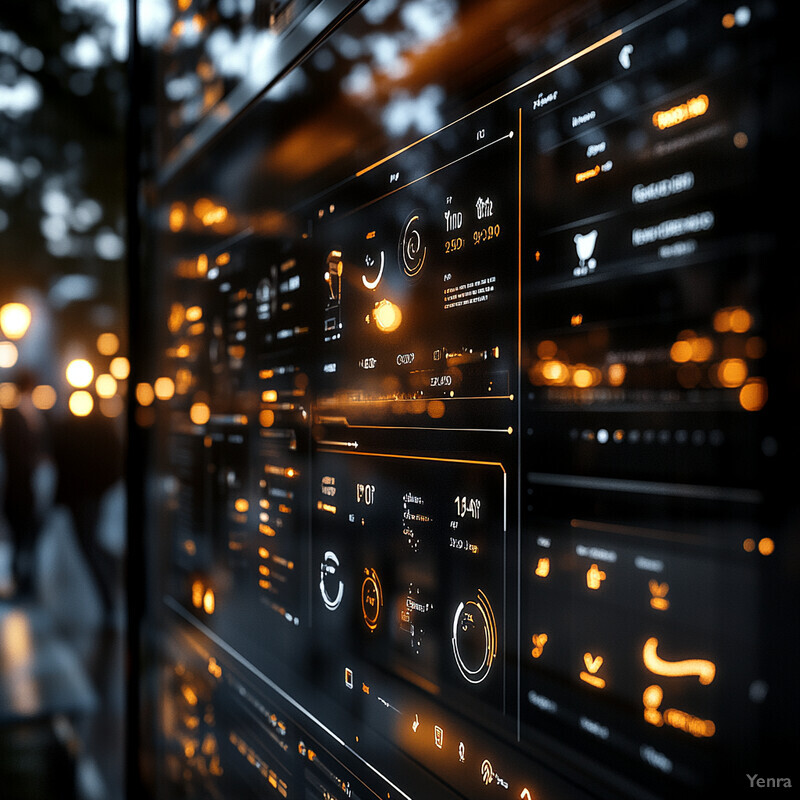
{"points": [[374, 283]]}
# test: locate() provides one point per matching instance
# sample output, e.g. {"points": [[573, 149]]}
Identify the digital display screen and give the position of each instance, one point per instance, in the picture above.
{"points": [[472, 342]]}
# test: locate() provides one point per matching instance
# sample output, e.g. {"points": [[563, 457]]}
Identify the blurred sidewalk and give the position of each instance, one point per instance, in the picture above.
{"points": [[62, 692]]}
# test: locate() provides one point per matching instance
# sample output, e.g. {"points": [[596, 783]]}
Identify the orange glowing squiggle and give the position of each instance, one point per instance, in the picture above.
{"points": [[705, 670]]}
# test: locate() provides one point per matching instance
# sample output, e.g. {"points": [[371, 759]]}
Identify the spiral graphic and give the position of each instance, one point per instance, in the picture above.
{"points": [[411, 251]]}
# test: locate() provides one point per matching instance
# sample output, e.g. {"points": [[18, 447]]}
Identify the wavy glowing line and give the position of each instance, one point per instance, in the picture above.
{"points": [[705, 670]]}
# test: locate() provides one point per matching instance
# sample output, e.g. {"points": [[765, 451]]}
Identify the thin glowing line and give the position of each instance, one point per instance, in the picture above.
{"points": [[426, 399], [432, 172], [223, 645], [519, 427], [541, 75], [416, 458], [422, 428]]}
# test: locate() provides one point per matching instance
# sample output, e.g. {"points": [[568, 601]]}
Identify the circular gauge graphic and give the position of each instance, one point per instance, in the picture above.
{"points": [[475, 638], [371, 598], [330, 586], [412, 249]]}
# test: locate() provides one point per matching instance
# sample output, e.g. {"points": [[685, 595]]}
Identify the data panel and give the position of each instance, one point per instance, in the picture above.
{"points": [[470, 482]]}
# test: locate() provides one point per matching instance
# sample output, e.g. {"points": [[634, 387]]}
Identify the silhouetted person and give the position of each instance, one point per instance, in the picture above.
{"points": [[24, 436], [88, 458]]}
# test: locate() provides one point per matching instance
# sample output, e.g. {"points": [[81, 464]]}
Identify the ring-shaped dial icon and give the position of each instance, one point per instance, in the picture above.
{"points": [[330, 587], [474, 638]]}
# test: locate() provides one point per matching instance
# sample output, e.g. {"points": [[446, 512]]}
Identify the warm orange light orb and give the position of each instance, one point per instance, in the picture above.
{"points": [[15, 319], [107, 343], [81, 403], [44, 397], [200, 413], [105, 385], [144, 394], [164, 388], [8, 354], [79, 373], [119, 368], [387, 316]]}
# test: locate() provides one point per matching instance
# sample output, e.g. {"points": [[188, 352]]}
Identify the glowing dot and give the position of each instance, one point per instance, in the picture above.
{"points": [[144, 394], [241, 505], [616, 374], [209, 601], [202, 264], [722, 320], [197, 594], [105, 385], [79, 373], [269, 396], [582, 378], [728, 21], [15, 318], [107, 344], [164, 388], [266, 418], [387, 316], [200, 413], [766, 546], [555, 371], [193, 313], [702, 348], [602, 436], [9, 395], [177, 314], [680, 352], [749, 545], [741, 320], [732, 372], [436, 409], [43, 397], [8, 354], [740, 140], [753, 395], [652, 697], [177, 217], [81, 403], [119, 368]]}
